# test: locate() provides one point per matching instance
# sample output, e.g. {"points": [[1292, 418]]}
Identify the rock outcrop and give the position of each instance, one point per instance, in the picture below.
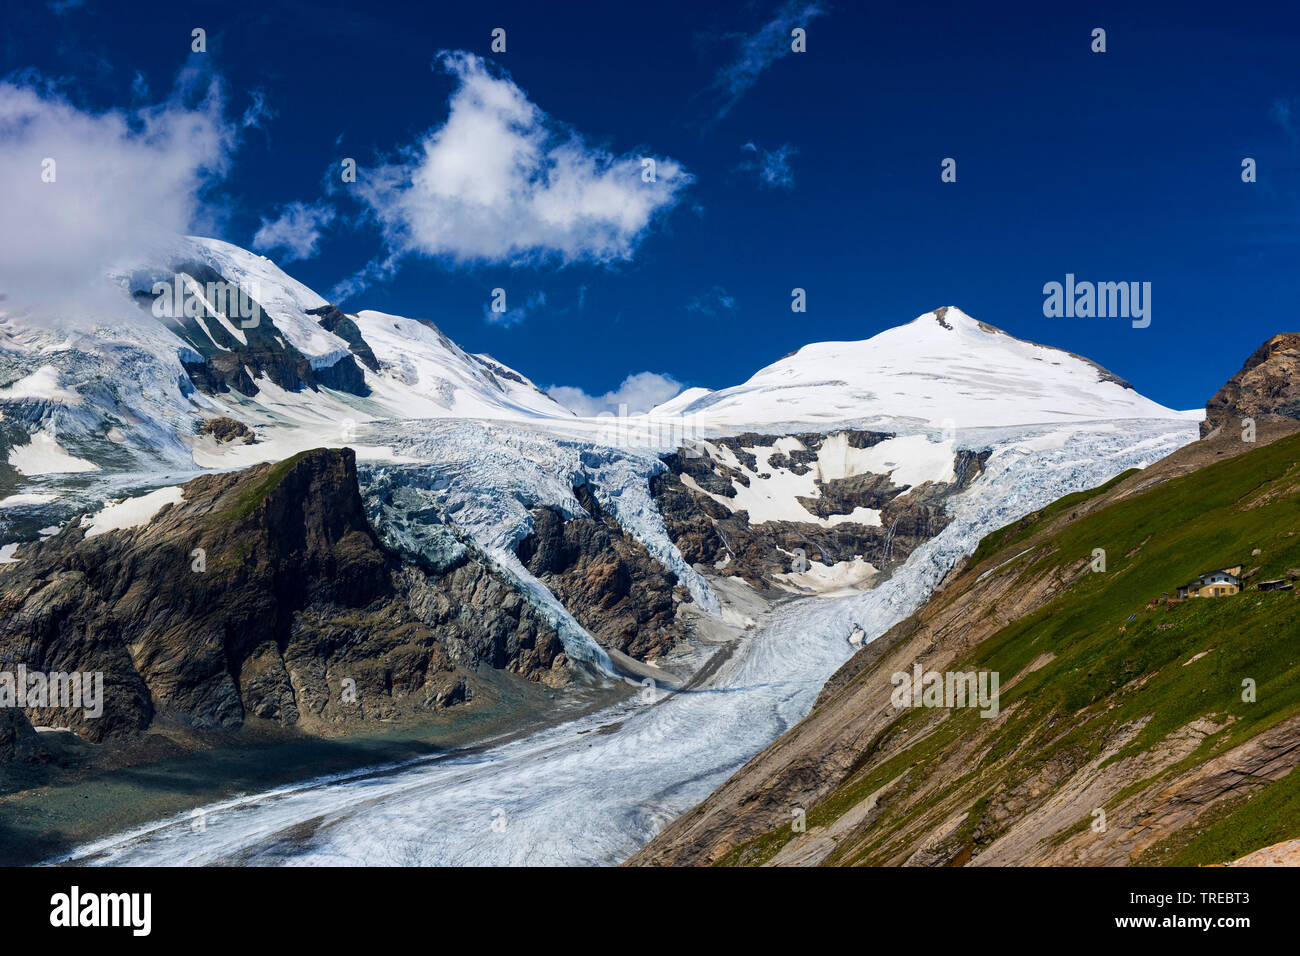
{"points": [[224, 429], [17, 737], [1267, 389], [695, 497], [263, 592], [608, 580], [231, 353], [333, 319]]}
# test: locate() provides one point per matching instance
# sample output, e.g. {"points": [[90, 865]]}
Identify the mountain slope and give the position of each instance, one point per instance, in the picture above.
{"points": [[610, 544], [944, 369], [592, 550], [127, 387], [416, 371], [1111, 699]]}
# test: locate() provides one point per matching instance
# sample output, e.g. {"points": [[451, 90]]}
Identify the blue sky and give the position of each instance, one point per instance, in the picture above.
{"points": [[818, 170]]}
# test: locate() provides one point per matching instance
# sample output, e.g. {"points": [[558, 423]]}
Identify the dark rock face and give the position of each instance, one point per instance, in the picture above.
{"points": [[263, 592], [608, 581], [343, 376], [333, 319], [496, 370], [707, 532], [1266, 389], [225, 361]]}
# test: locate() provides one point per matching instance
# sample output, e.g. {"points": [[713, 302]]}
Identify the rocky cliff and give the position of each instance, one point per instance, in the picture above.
{"points": [[823, 522], [607, 579], [232, 352], [17, 738], [1266, 389], [263, 592]]}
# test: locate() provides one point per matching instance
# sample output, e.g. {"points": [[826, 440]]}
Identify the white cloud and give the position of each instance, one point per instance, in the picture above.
{"points": [[124, 184], [640, 393], [501, 182], [772, 166], [757, 51], [362, 279], [297, 230]]}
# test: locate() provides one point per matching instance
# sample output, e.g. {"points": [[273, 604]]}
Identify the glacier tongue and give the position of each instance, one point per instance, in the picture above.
{"points": [[568, 795]]}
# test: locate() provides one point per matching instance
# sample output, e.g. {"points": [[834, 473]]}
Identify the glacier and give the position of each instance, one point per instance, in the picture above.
{"points": [[594, 790]]}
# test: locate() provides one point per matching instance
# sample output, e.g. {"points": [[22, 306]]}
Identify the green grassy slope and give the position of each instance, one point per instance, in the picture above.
{"points": [[1120, 656]]}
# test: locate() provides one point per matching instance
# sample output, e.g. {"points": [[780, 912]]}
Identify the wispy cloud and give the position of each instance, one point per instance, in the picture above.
{"points": [[258, 112], [714, 301], [512, 317], [771, 166], [297, 230], [755, 52], [501, 182], [640, 393]]}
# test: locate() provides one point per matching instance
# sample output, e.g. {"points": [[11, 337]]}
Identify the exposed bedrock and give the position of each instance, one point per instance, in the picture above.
{"points": [[1267, 389], [862, 516], [606, 578], [263, 592]]}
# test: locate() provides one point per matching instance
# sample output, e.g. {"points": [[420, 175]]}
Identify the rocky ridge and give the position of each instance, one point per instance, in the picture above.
{"points": [[862, 518]]}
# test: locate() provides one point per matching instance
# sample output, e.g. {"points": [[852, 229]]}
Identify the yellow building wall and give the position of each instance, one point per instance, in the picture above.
{"points": [[1217, 590]]}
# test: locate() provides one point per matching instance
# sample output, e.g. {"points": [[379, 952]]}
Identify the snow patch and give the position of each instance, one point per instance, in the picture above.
{"points": [[843, 577], [42, 385], [45, 456], [131, 512], [32, 498]]}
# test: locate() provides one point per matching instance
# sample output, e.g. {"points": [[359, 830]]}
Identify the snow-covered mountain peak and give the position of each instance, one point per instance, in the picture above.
{"points": [[204, 329], [949, 318], [944, 369]]}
